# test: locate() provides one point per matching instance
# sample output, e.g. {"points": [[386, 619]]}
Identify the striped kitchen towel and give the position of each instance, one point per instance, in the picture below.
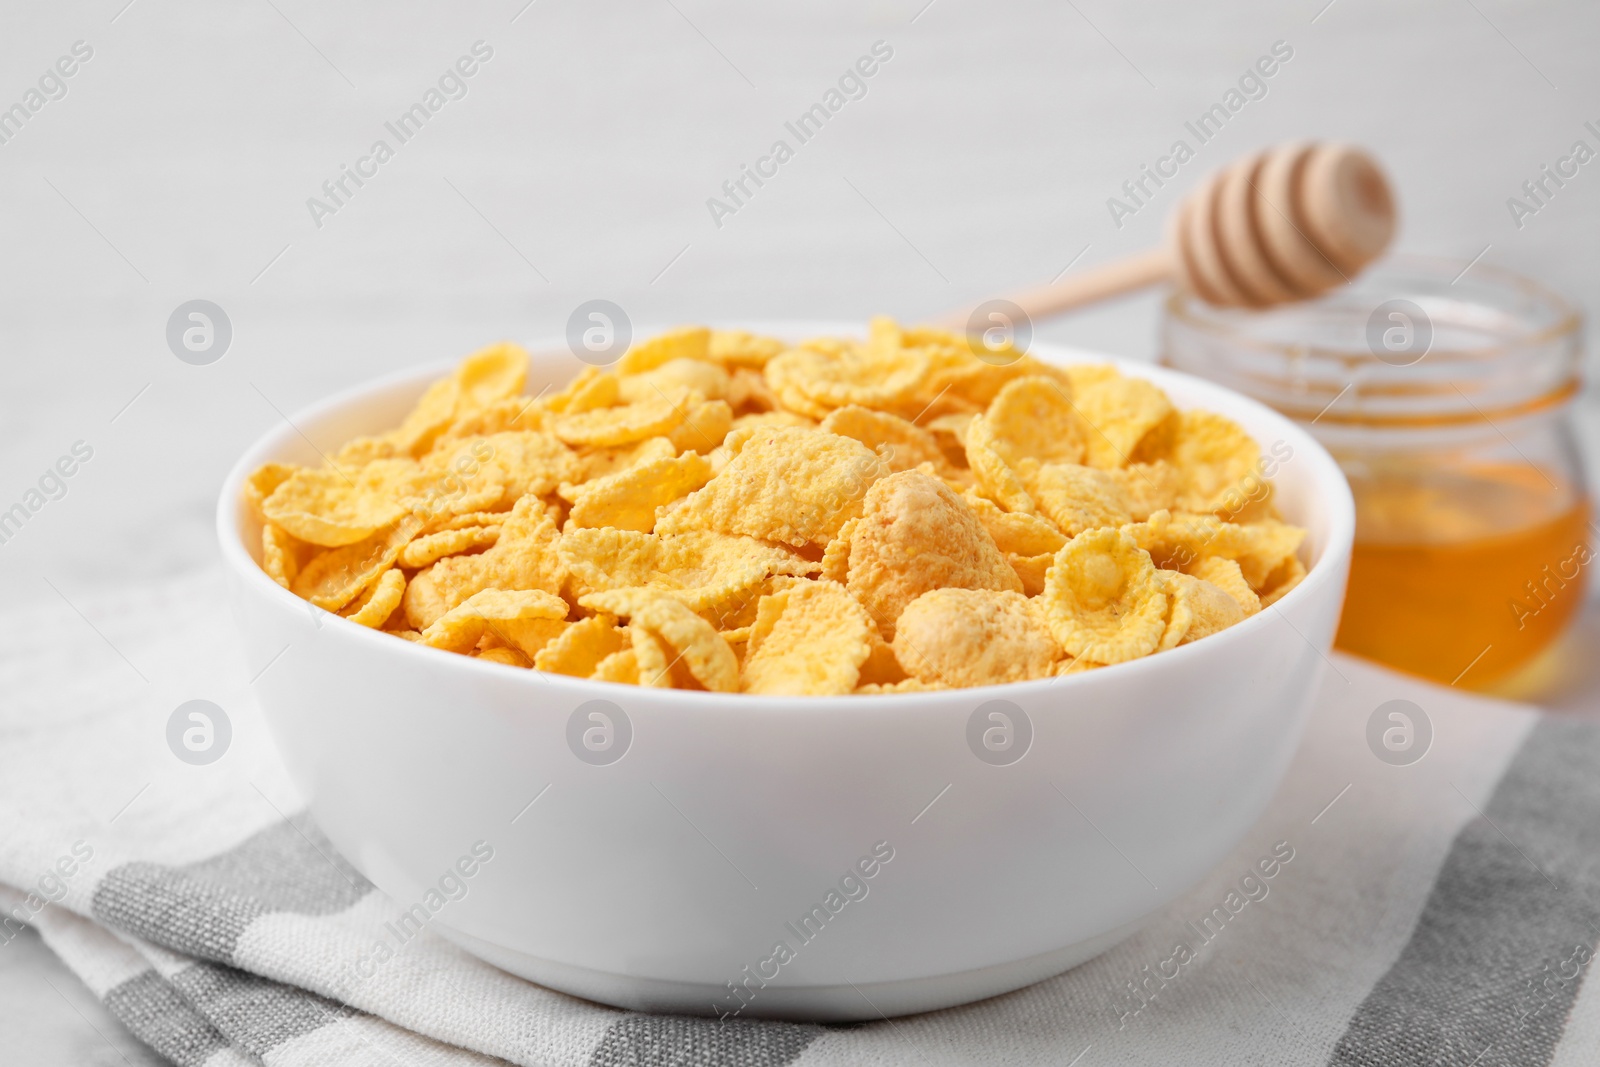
{"points": [[1434, 897]]}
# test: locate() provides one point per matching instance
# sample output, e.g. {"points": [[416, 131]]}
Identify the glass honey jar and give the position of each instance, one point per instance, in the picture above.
{"points": [[1445, 393]]}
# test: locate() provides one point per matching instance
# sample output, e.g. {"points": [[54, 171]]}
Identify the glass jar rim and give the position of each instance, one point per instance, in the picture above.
{"points": [[1190, 309], [1528, 360]]}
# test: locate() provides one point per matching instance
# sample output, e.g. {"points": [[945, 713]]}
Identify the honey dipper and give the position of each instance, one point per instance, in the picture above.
{"points": [[1288, 223]]}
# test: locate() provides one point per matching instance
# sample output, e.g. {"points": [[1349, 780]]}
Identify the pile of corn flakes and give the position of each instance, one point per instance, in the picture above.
{"points": [[723, 511]]}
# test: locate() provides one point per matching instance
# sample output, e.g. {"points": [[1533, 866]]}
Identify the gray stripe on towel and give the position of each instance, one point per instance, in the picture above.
{"points": [[255, 1013], [201, 909], [157, 1014], [1505, 938], [684, 1041]]}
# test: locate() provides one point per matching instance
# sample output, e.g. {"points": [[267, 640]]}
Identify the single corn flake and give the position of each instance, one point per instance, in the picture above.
{"points": [[430, 418], [1034, 418], [623, 424], [908, 685], [703, 428], [692, 642], [1214, 610], [282, 554], [1102, 599], [602, 462], [652, 658], [628, 500], [1226, 575], [1083, 376], [736, 348], [426, 549], [836, 557], [511, 657], [1031, 570], [600, 391], [491, 374], [608, 558], [950, 431], [749, 394], [808, 640], [492, 610], [673, 376], [916, 535], [788, 485], [1122, 413], [994, 475], [261, 483], [581, 648], [373, 607], [688, 342], [902, 444], [1197, 609], [1074, 498], [1216, 457], [1015, 532], [965, 637], [338, 576], [1146, 488], [1180, 609], [323, 506], [1281, 579], [466, 521], [580, 385], [620, 666]]}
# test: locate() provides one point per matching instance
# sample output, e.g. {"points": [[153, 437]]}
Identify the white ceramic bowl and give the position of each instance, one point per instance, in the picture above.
{"points": [[665, 879]]}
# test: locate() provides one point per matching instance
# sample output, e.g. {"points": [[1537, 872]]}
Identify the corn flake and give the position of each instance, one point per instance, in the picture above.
{"points": [[691, 642], [335, 577], [628, 500], [902, 444], [1074, 498], [1033, 418], [579, 650], [915, 535], [620, 666], [689, 342], [1102, 598], [809, 640], [323, 506], [793, 486], [1122, 413], [523, 557], [965, 637], [373, 607], [426, 549], [500, 612]]}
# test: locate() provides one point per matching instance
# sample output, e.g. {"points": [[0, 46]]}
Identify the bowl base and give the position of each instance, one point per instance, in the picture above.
{"points": [[860, 1002]]}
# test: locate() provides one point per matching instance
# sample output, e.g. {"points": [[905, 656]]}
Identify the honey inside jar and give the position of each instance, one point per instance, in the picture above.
{"points": [[1444, 391], [1463, 576]]}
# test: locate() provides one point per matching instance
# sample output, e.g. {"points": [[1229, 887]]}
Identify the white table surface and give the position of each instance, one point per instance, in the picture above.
{"points": [[578, 165]]}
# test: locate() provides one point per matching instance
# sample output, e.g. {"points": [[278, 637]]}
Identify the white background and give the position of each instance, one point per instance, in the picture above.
{"points": [[179, 163]]}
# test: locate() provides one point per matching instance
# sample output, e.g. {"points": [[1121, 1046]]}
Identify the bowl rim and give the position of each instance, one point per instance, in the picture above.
{"points": [[1329, 480]]}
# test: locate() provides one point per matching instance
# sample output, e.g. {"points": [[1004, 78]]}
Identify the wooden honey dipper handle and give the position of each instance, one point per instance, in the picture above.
{"points": [[1286, 224]]}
